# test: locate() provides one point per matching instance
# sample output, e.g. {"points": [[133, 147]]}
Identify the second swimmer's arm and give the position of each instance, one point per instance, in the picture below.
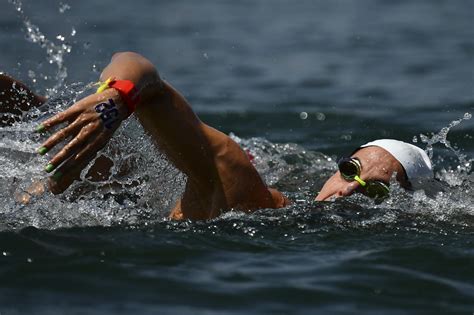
{"points": [[15, 98]]}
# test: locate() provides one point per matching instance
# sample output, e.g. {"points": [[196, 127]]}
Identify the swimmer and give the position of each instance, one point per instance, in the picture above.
{"points": [[369, 169], [220, 174]]}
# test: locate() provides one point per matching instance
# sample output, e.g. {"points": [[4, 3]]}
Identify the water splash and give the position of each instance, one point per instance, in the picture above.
{"points": [[63, 7], [274, 161], [55, 52], [288, 166], [141, 188], [465, 164]]}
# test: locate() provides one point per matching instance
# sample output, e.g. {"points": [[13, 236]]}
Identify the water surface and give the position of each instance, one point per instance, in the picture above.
{"points": [[297, 84]]}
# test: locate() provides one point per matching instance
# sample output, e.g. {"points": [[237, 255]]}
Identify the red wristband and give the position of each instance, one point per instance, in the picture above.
{"points": [[128, 92]]}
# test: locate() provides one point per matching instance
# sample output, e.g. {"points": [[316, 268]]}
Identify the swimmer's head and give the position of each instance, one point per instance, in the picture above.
{"points": [[379, 161]]}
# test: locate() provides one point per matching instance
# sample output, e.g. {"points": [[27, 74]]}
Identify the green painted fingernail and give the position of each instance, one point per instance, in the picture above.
{"points": [[49, 168], [57, 175], [40, 128], [43, 150]]}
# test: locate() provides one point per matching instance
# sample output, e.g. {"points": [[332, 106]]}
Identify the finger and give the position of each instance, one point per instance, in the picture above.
{"points": [[60, 135], [91, 149], [66, 175], [59, 182], [71, 170], [57, 119], [87, 133], [69, 114], [81, 159]]}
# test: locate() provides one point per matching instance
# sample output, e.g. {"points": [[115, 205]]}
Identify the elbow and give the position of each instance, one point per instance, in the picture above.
{"points": [[147, 71], [126, 54]]}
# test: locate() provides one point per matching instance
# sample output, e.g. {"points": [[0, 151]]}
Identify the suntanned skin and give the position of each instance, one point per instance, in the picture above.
{"points": [[220, 175], [377, 164]]}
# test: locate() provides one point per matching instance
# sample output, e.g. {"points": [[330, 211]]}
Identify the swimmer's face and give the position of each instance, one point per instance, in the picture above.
{"points": [[377, 164]]}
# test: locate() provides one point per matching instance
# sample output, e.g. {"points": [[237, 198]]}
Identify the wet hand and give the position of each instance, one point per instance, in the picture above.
{"points": [[336, 187], [91, 122]]}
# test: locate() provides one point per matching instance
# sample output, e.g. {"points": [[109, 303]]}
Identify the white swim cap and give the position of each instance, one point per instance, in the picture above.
{"points": [[414, 160]]}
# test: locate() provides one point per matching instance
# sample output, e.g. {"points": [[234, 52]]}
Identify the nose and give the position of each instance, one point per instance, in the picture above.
{"points": [[348, 189]]}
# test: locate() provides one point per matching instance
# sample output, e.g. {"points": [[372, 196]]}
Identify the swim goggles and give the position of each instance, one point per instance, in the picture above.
{"points": [[350, 170]]}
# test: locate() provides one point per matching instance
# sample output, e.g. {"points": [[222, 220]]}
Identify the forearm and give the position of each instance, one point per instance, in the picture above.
{"points": [[166, 116], [220, 175], [186, 141], [15, 98]]}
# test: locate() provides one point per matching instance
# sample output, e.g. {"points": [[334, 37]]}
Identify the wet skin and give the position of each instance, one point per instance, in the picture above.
{"points": [[220, 175], [377, 164]]}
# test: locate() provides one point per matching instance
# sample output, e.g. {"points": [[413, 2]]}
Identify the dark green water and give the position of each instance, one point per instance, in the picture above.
{"points": [[359, 70]]}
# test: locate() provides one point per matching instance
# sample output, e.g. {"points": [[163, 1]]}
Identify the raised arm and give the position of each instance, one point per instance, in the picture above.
{"points": [[220, 176], [166, 116]]}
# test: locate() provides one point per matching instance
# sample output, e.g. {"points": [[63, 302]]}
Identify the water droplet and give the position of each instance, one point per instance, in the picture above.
{"points": [[73, 32], [303, 115], [205, 55], [320, 116], [63, 7]]}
